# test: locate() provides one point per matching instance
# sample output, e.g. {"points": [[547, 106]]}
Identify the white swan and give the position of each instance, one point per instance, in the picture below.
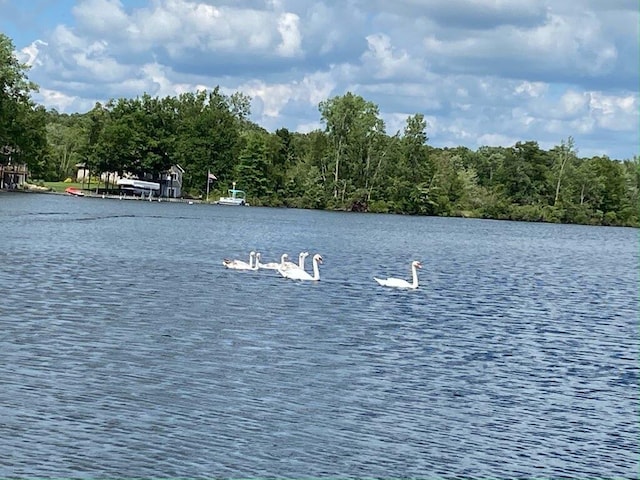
{"points": [[272, 265], [239, 264], [400, 283], [300, 274], [287, 265]]}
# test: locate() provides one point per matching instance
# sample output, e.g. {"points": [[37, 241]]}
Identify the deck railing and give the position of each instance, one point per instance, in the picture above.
{"points": [[17, 169]]}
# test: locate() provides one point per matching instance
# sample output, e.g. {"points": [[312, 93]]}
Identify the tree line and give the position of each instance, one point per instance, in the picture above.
{"points": [[350, 164]]}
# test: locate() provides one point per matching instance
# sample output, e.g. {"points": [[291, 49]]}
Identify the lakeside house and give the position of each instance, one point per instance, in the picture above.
{"points": [[171, 182], [13, 175], [167, 184]]}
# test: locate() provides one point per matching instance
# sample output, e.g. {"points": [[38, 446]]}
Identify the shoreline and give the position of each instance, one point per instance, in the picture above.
{"points": [[107, 197], [204, 202]]}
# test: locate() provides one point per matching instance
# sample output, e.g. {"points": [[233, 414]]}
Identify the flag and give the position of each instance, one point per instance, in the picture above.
{"points": [[211, 176]]}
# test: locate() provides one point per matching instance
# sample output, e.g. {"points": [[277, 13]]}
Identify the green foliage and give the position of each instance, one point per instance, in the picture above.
{"points": [[350, 165], [355, 132], [22, 123], [526, 213]]}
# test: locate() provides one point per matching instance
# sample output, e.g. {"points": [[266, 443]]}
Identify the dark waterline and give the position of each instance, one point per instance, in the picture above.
{"points": [[127, 350]]}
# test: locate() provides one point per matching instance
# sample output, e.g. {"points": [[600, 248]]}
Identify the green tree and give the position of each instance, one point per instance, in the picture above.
{"points": [[488, 161], [564, 154], [613, 178], [65, 146], [629, 213], [253, 167], [414, 143], [307, 182], [22, 123], [208, 137], [524, 174], [354, 128]]}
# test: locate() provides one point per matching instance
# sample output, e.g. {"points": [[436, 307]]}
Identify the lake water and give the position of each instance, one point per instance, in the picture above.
{"points": [[127, 350]]}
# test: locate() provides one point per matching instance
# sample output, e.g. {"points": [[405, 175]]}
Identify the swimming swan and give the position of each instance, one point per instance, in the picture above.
{"points": [[300, 274], [287, 265], [400, 283], [272, 265], [239, 264]]}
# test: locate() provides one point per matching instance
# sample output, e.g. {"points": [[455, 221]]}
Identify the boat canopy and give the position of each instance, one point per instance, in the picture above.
{"points": [[131, 183], [236, 193]]}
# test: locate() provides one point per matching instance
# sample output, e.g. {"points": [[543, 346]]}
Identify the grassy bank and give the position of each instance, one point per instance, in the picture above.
{"points": [[61, 186]]}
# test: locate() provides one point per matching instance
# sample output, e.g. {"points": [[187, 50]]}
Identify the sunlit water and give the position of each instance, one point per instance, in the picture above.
{"points": [[127, 350]]}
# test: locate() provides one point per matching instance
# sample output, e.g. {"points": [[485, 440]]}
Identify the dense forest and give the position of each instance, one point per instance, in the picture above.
{"points": [[350, 164]]}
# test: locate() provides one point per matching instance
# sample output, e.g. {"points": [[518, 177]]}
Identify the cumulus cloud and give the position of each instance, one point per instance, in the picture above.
{"points": [[481, 71], [274, 97], [574, 103], [62, 102], [101, 16], [290, 34], [614, 112], [531, 89], [473, 14], [385, 62], [29, 54], [495, 140], [560, 49]]}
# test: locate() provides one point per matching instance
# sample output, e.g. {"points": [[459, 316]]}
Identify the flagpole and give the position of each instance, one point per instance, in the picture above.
{"points": [[208, 182]]}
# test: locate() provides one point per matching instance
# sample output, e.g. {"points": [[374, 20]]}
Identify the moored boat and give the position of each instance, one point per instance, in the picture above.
{"points": [[235, 198], [76, 192]]}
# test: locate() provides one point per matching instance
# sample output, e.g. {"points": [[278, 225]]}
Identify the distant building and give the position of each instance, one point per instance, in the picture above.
{"points": [[13, 175], [171, 182], [82, 175], [82, 172], [166, 185]]}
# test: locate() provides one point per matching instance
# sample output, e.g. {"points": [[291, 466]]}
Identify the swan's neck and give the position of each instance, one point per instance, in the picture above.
{"points": [[316, 271], [414, 284], [251, 261]]}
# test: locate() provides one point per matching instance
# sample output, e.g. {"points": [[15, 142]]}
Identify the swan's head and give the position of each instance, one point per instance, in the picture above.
{"points": [[252, 253], [258, 255], [304, 254], [416, 264], [317, 258]]}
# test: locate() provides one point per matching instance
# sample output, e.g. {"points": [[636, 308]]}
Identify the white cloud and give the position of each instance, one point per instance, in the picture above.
{"points": [[101, 16], [58, 100], [618, 113], [493, 71], [29, 54], [495, 140], [573, 102], [532, 89], [307, 127], [274, 97], [290, 33], [470, 14], [385, 62]]}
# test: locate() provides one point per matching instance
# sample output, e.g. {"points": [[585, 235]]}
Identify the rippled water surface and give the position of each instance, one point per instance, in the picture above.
{"points": [[127, 350]]}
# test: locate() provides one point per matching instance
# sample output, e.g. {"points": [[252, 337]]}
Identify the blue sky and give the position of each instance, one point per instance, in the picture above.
{"points": [[482, 72]]}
